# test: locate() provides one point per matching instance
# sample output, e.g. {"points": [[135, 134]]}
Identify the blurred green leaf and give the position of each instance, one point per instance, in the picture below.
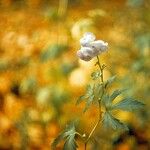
{"points": [[28, 85], [128, 104], [69, 135], [89, 97], [66, 68], [52, 52], [89, 101], [95, 75], [115, 94], [110, 122], [134, 3], [4, 65], [110, 81]]}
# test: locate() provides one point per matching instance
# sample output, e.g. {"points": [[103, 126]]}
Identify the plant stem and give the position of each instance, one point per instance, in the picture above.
{"points": [[99, 102]]}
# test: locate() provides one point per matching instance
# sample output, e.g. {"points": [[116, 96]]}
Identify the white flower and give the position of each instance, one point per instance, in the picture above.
{"points": [[91, 48], [100, 45], [87, 38], [85, 53]]}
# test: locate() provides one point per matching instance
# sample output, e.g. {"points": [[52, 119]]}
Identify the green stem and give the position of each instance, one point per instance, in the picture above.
{"points": [[99, 102]]}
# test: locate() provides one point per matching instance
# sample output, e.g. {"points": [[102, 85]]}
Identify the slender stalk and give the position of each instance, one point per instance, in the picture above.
{"points": [[99, 102]]}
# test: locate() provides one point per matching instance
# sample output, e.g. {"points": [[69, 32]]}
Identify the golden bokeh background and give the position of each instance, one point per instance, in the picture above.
{"points": [[41, 76]]}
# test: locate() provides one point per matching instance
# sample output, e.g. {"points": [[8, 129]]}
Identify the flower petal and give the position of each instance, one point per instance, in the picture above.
{"points": [[99, 45], [87, 38]]}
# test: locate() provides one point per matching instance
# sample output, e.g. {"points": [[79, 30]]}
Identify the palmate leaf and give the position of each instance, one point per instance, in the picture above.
{"points": [[88, 103], [108, 99], [115, 94], [111, 122], [93, 93], [69, 136], [89, 92], [128, 104], [70, 143]]}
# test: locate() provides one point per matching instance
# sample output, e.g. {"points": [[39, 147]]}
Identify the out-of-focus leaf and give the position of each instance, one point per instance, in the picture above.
{"points": [[108, 99], [115, 94], [52, 52], [95, 75], [109, 81], [88, 102], [128, 104], [134, 3], [69, 136], [111, 122], [93, 93], [66, 68], [98, 90], [89, 97], [4, 64], [89, 92], [80, 99], [70, 143], [28, 85], [105, 101], [142, 42], [58, 96], [51, 14]]}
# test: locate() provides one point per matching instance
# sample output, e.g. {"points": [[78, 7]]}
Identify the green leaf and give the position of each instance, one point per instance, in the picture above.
{"points": [[69, 135], [70, 143], [88, 103], [105, 100], [89, 93], [80, 99], [128, 104], [95, 75], [89, 90], [98, 89], [109, 81], [52, 52], [115, 94], [111, 122]]}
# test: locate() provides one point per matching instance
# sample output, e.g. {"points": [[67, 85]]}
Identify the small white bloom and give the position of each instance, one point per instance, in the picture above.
{"points": [[99, 45], [91, 48], [85, 53], [87, 38]]}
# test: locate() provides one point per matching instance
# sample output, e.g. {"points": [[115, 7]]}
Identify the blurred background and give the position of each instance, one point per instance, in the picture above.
{"points": [[41, 77]]}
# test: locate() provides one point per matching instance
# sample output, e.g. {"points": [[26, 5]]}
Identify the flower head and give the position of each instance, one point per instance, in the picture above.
{"points": [[91, 47]]}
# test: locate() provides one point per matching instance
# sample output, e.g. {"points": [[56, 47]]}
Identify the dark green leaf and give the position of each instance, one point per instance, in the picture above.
{"points": [[111, 122], [89, 90], [128, 104], [52, 52], [88, 94], [70, 143], [98, 89], [115, 94], [105, 100], [69, 135], [109, 81], [80, 99], [88, 103]]}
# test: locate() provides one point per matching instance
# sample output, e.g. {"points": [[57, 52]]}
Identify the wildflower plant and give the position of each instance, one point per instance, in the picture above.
{"points": [[97, 92]]}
